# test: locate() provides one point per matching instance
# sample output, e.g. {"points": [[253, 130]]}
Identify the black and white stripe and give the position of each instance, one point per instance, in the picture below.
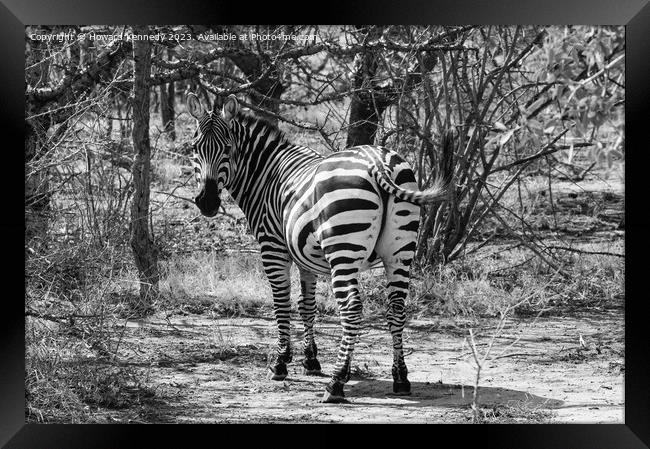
{"points": [[335, 216]]}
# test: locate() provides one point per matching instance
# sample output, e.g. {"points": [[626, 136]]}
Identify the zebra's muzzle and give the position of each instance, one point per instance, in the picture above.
{"points": [[208, 200]]}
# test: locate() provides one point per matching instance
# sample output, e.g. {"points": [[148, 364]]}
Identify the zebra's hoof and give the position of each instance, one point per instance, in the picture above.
{"points": [[311, 367], [278, 372], [402, 388], [329, 398], [334, 393]]}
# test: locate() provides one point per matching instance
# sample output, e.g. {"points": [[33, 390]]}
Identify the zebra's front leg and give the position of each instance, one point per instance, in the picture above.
{"points": [[307, 309], [278, 275], [346, 292]]}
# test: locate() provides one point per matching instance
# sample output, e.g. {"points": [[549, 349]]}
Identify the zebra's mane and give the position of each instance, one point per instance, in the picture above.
{"points": [[273, 132]]}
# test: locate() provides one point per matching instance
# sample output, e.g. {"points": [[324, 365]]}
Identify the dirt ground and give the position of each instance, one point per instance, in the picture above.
{"points": [[212, 370]]}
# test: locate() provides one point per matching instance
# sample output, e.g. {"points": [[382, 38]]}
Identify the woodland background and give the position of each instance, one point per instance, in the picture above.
{"points": [[534, 115]]}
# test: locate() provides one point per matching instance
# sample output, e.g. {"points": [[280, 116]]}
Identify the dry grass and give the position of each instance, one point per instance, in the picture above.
{"points": [[514, 413], [67, 390], [228, 285], [75, 304], [478, 286], [70, 362], [166, 171]]}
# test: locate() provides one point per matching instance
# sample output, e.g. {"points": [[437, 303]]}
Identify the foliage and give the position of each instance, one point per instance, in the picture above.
{"points": [[517, 99], [527, 111]]}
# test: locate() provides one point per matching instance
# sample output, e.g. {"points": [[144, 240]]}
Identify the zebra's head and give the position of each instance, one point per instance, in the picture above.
{"points": [[211, 149]]}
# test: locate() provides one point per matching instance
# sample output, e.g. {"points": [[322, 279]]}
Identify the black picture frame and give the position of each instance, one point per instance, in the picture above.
{"points": [[634, 14]]}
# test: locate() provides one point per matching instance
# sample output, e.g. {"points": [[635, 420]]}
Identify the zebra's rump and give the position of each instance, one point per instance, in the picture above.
{"points": [[338, 211]]}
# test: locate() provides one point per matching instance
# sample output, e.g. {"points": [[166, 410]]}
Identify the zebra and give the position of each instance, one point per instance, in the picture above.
{"points": [[335, 215]]}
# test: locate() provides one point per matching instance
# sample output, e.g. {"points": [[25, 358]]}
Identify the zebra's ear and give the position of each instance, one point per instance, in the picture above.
{"points": [[194, 106], [230, 108]]}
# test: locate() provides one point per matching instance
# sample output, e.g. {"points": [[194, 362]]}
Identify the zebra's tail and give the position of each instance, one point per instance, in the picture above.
{"points": [[442, 187], [438, 192]]}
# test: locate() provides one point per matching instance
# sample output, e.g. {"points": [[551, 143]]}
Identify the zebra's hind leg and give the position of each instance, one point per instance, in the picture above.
{"points": [[307, 310], [398, 282], [346, 292]]}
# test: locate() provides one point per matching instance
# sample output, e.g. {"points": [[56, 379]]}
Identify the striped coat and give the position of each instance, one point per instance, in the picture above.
{"points": [[335, 216]]}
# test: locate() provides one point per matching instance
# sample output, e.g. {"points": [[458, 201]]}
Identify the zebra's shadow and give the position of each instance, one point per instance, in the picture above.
{"points": [[427, 394]]}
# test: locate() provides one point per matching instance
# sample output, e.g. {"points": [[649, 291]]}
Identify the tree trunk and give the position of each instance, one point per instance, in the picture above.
{"points": [[167, 94], [431, 222], [268, 91], [367, 106], [144, 250], [364, 120], [271, 90]]}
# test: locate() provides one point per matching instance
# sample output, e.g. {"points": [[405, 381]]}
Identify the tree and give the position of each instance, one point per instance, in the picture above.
{"points": [[167, 100], [55, 94], [366, 103], [144, 249], [167, 112], [497, 102]]}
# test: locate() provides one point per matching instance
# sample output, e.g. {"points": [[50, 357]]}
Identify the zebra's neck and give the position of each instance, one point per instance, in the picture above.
{"points": [[264, 166]]}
